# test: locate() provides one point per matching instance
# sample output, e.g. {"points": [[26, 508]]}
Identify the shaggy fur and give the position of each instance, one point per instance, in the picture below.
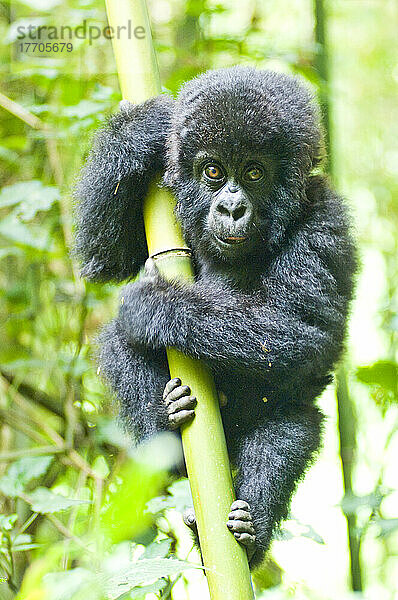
{"points": [[269, 318]]}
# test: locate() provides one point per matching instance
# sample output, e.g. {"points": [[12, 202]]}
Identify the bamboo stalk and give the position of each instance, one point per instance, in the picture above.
{"points": [[203, 440]]}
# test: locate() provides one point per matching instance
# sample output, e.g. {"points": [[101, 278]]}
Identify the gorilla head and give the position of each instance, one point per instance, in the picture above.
{"points": [[241, 146]]}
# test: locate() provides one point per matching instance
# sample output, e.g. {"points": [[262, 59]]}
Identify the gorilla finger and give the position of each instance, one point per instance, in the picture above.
{"points": [[241, 527], [242, 515], [189, 518], [184, 403], [170, 386], [177, 393], [245, 539], [180, 418], [240, 504]]}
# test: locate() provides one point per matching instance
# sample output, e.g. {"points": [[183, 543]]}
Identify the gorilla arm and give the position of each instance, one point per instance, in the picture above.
{"points": [[293, 326], [127, 154]]}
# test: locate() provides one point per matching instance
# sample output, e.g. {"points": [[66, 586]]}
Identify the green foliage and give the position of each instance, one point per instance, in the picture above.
{"points": [[21, 472], [383, 377], [44, 501], [140, 479]]}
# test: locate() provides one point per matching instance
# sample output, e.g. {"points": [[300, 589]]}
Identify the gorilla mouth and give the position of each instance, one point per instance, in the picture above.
{"points": [[232, 240]]}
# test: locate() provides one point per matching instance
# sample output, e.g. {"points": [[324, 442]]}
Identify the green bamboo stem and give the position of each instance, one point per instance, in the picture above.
{"points": [[203, 440]]}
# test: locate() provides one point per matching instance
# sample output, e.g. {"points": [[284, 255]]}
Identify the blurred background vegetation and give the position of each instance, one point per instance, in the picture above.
{"points": [[81, 514]]}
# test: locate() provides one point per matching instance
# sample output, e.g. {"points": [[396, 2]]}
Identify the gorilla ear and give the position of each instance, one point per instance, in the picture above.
{"points": [[127, 154]]}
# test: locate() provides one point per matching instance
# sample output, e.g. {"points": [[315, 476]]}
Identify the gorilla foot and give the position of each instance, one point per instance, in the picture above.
{"points": [[179, 402], [241, 525]]}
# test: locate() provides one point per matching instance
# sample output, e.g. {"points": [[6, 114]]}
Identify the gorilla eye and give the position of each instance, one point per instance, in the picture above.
{"points": [[254, 173], [213, 172]]}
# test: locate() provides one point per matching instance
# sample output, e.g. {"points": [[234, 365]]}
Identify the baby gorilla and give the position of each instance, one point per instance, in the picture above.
{"points": [[274, 262]]}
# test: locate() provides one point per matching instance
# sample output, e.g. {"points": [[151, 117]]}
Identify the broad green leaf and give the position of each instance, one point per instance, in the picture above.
{"points": [[100, 466], [12, 228], [76, 583], [45, 501], [267, 575], [31, 196], [179, 498], [158, 549], [383, 373], [21, 472], [84, 108], [125, 514], [143, 572]]}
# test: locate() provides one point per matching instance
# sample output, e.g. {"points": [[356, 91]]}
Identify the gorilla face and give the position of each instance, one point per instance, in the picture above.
{"points": [[236, 194], [242, 144]]}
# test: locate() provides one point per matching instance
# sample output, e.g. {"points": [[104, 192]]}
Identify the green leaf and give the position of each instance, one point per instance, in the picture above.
{"points": [[7, 522], [64, 585], [295, 528], [387, 526], [31, 196], [21, 472], [125, 515], [23, 543], [383, 373], [25, 363], [12, 228], [100, 466], [158, 549], [139, 593], [45, 501], [179, 498], [143, 572], [84, 108], [8, 155]]}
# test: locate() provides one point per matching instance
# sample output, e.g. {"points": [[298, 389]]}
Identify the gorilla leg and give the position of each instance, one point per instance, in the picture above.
{"points": [[138, 376], [271, 460]]}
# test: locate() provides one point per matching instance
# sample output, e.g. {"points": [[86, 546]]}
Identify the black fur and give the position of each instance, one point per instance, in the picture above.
{"points": [[268, 316]]}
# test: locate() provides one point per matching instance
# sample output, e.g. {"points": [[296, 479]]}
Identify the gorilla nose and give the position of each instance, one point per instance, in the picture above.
{"points": [[232, 209]]}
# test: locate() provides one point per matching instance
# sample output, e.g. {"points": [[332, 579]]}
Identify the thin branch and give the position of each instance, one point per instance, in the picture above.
{"points": [[14, 421], [35, 451], [346, 426], [68, 534], [21, 112], [35, 395]]}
